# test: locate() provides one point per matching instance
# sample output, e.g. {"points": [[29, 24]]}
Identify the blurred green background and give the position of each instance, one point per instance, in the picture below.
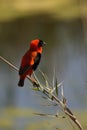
{"points": [[62, 24]]}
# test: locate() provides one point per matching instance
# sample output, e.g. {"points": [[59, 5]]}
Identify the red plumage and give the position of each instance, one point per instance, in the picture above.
{"points": [[30, 60]]}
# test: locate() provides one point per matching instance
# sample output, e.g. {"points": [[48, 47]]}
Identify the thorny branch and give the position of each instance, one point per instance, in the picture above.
{"points": [[49, 91]]}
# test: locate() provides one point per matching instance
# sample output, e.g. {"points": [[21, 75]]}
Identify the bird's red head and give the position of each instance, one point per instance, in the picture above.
{"points": [[36, 45]]}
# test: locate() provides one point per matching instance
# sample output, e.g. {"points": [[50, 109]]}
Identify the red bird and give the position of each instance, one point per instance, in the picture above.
{"points": [[30, 60]]}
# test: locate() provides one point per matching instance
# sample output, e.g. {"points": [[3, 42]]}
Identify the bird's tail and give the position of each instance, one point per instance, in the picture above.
{"points": [[21, 83]]}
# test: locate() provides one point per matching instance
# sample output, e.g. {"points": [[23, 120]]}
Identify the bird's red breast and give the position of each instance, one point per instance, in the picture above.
{"points": [[28, 58]]}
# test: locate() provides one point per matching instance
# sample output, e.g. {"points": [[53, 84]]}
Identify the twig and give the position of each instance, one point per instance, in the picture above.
{"points": [[49, 93], [48, 115], [9, 63]]}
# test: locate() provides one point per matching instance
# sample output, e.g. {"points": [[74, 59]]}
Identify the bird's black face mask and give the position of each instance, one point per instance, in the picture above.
{"points": [[41, 43]]}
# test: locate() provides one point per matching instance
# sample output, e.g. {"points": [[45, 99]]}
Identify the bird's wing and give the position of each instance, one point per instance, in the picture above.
{"points": [[29, 60], [36, 61], [24, 69], [25, 63]]}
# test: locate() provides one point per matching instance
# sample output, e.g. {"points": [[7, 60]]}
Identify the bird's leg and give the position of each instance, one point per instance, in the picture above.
{"points": [[34, 81]]}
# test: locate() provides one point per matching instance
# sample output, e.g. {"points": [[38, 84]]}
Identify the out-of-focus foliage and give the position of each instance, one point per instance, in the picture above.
{"points": [[60, 9], [16, 118]]}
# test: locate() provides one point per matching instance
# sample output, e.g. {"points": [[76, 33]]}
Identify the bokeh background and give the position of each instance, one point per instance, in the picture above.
{"points": [[62, 24]]}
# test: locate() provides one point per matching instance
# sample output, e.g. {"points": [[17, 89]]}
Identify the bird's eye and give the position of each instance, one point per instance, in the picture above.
{"points": [[40, 43]]}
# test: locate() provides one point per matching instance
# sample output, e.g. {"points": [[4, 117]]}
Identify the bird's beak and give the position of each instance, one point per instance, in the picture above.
{"points": [[44, 43]]}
